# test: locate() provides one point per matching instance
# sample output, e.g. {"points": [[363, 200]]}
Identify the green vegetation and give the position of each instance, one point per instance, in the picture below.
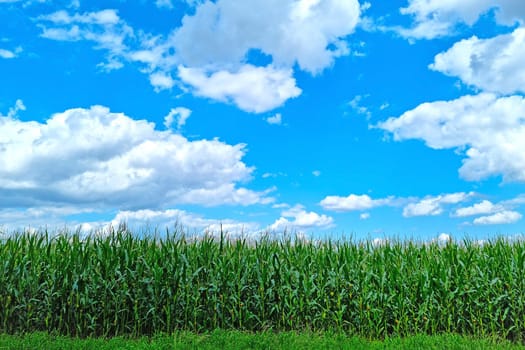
{"points": [[122, 285], [234, 340]]}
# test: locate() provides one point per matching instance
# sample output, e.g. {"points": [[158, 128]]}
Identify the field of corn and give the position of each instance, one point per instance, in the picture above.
{"points": [[121, 284]]}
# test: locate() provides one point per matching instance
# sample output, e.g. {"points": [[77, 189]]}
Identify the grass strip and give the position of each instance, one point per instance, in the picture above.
{"points": [[242, 340]]}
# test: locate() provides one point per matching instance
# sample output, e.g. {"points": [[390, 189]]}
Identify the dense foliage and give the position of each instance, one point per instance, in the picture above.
{"points": [[121, 284]]}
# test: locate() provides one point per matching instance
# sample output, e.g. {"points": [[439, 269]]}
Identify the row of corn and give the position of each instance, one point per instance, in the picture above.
{"points": [[123, 284]]}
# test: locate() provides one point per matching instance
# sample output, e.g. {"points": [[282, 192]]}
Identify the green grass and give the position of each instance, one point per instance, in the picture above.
{"points": [[234, 340], [122, 285]]}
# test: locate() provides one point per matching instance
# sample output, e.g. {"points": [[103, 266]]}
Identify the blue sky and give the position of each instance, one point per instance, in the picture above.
{"points": [[324, 117]]}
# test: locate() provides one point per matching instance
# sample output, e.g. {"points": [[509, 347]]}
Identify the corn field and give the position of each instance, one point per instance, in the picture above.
{"points": [[121, 284]]}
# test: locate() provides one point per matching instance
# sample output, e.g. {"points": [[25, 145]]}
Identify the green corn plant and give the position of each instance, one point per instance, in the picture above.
{"points": [[124, 283]]}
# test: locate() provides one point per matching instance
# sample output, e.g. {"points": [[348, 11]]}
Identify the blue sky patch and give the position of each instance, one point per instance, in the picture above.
{"points": [[328, 118]]}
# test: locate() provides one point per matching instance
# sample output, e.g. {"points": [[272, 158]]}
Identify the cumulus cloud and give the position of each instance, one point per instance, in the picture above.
{"points": [[161, 81], [353, 202], [171, 218], [251, 88], [494, 64], [489, 130], [213, 44], [275, 119], [310, 33], [226, 194], [178, 116], [51, 217], [300, 220], [437, 18], [208, 52], [115, 161], [426, 29], [433, 205], [484, 207], [503, 217], [499, 213]]}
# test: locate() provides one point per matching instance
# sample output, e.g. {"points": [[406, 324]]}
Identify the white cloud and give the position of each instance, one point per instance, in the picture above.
{"points": [[225, 194], [353, 202], [115, 161], [280, 206], [301, 220], [13, 111], [164, 3], [273, 175], [435, 18], [275, 119], [443, 238], [7, 54], [112, 63], [356, 105], [63, 34], [423, 208], [380, 242], [161, 81], [427, 29], [75, 4], [515, 201], [251, 88], [484, 207], [16, 219], [431, 206], [212, 45], [310, 33], [178, 115], [494, 64], [364, 216], [171, 218], [500, 213], [209, 51], [103, 17], [111, 33], [490, 130], [105, 28], [53, 218], [316, 173], [503, 217]]}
